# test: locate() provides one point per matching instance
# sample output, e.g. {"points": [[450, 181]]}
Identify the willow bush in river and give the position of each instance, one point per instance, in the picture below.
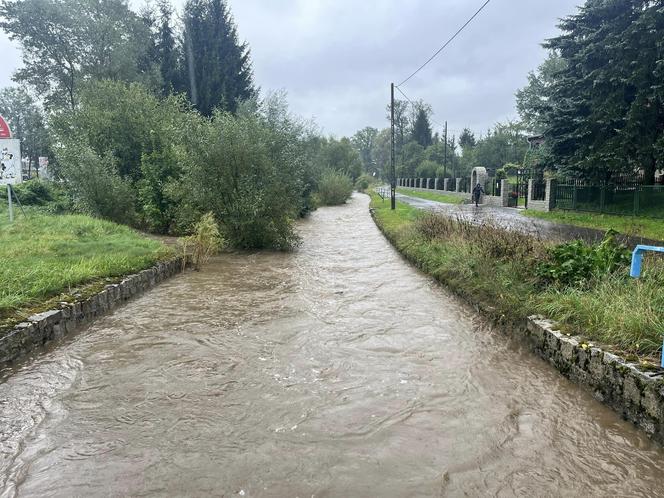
{"points": [[247, 169]]}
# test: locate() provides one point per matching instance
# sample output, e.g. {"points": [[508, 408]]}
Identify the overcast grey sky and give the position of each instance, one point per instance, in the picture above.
{"points": [[336, 58]]}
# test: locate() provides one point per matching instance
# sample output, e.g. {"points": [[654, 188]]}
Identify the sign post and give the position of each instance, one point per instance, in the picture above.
{"points": [[10, 162], [11, 208]]}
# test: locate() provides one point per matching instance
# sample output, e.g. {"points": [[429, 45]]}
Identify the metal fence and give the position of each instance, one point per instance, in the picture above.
{"points": [[493, 187], [624, 199], [539, 189]]}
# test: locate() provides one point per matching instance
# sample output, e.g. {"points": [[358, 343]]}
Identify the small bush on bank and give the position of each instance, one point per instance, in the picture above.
{"points": [[363, 183], [334, 188], [204, 242], [95, 185]]}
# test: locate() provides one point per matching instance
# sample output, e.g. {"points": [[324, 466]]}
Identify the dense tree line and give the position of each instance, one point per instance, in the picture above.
{"points": [[154, 122]]}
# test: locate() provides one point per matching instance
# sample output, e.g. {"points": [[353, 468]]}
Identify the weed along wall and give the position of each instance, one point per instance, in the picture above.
{"points": [[54, 324]]}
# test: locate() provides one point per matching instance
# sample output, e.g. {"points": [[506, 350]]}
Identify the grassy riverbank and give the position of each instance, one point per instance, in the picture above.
{"points": [[46, 257], [649, 228], [431, 196], [502, 271]]}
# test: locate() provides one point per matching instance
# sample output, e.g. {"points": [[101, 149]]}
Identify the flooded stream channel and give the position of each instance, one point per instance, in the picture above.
{"points": [[337, 370]]}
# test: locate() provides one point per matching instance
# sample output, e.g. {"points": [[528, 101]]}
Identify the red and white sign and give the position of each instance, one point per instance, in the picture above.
{"points": [[5, 131]]}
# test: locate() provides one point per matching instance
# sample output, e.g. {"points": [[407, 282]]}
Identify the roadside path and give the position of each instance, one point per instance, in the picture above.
{"points": [[512, 219]]}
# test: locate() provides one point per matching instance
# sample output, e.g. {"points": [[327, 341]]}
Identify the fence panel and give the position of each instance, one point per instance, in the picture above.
{"points": [[623, 199], [539, 190]]}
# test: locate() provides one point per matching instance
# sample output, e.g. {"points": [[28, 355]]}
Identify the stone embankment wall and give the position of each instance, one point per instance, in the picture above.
{"points": [[44, 327], [637, 395]]}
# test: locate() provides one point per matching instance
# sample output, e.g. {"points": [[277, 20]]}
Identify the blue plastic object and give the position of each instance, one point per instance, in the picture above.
{"points": [[637, 258], [635, 272]]}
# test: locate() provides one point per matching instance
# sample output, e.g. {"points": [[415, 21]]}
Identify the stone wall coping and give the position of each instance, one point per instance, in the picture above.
{"points": [[46, 326]]}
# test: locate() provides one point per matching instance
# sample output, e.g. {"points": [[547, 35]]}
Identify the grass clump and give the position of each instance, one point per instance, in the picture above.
{"points": [[432, 196], [585, 288], [46, 255], [204, 242]]}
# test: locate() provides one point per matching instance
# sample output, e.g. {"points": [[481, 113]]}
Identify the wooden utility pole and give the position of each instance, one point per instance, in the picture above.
{"points": [[445, 157], [393, 174]]}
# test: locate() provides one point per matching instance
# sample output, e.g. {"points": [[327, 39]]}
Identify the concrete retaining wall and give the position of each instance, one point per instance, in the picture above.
{"points": [[44, 327]]}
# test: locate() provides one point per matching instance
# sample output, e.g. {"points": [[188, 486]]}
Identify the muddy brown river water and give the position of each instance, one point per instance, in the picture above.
{"points": [[337, 370]]}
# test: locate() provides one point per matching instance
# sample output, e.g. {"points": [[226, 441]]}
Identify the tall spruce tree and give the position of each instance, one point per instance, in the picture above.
{"points": [[168, 55], [218, 66], [422, 128], [605, 114]]}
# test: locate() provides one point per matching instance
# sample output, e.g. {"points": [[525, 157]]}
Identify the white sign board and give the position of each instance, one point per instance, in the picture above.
{"points": [[10, 161]]}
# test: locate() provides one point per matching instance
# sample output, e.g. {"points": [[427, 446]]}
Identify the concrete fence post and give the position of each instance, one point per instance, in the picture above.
{"points": [[435, 183], [550, 196], [458, 184], [504, 193], [530, 192], [446, 184]]}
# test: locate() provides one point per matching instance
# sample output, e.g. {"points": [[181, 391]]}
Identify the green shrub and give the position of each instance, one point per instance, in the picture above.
{"points": [[247, 169], [95, 186], [363, 183], [334, 188], [577, 263], [49, 195]]}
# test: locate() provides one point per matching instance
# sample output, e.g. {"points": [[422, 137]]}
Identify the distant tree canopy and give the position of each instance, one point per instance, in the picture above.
{"points": [[26, 120], [599, 99], [66, 42]]}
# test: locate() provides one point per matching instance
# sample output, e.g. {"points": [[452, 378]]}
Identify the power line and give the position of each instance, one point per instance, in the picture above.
{"points": [[415, 105], [446, 43]]}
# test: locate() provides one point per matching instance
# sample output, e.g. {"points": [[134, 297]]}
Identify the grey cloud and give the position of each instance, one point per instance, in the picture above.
{"points": [[336, 58]]}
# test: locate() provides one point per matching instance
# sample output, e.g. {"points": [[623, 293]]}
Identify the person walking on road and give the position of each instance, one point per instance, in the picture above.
{"points": [[477, 193]]}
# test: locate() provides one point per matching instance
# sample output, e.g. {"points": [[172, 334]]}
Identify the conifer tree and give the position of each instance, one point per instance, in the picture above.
{"points": [[217, 65]]}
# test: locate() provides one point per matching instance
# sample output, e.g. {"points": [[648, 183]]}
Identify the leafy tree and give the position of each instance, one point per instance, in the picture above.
{"points": [[26, 120], [365, 143], [218, 65], [247, 169], [340, 155], [140, 137], [65, 42], [402, 124]]}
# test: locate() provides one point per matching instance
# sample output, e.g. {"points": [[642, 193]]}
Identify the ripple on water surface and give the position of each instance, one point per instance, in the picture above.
{"points": [[337, 370]]}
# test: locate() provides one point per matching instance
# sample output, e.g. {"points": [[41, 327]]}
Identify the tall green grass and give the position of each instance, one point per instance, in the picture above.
{"points": [[43, 256]]}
